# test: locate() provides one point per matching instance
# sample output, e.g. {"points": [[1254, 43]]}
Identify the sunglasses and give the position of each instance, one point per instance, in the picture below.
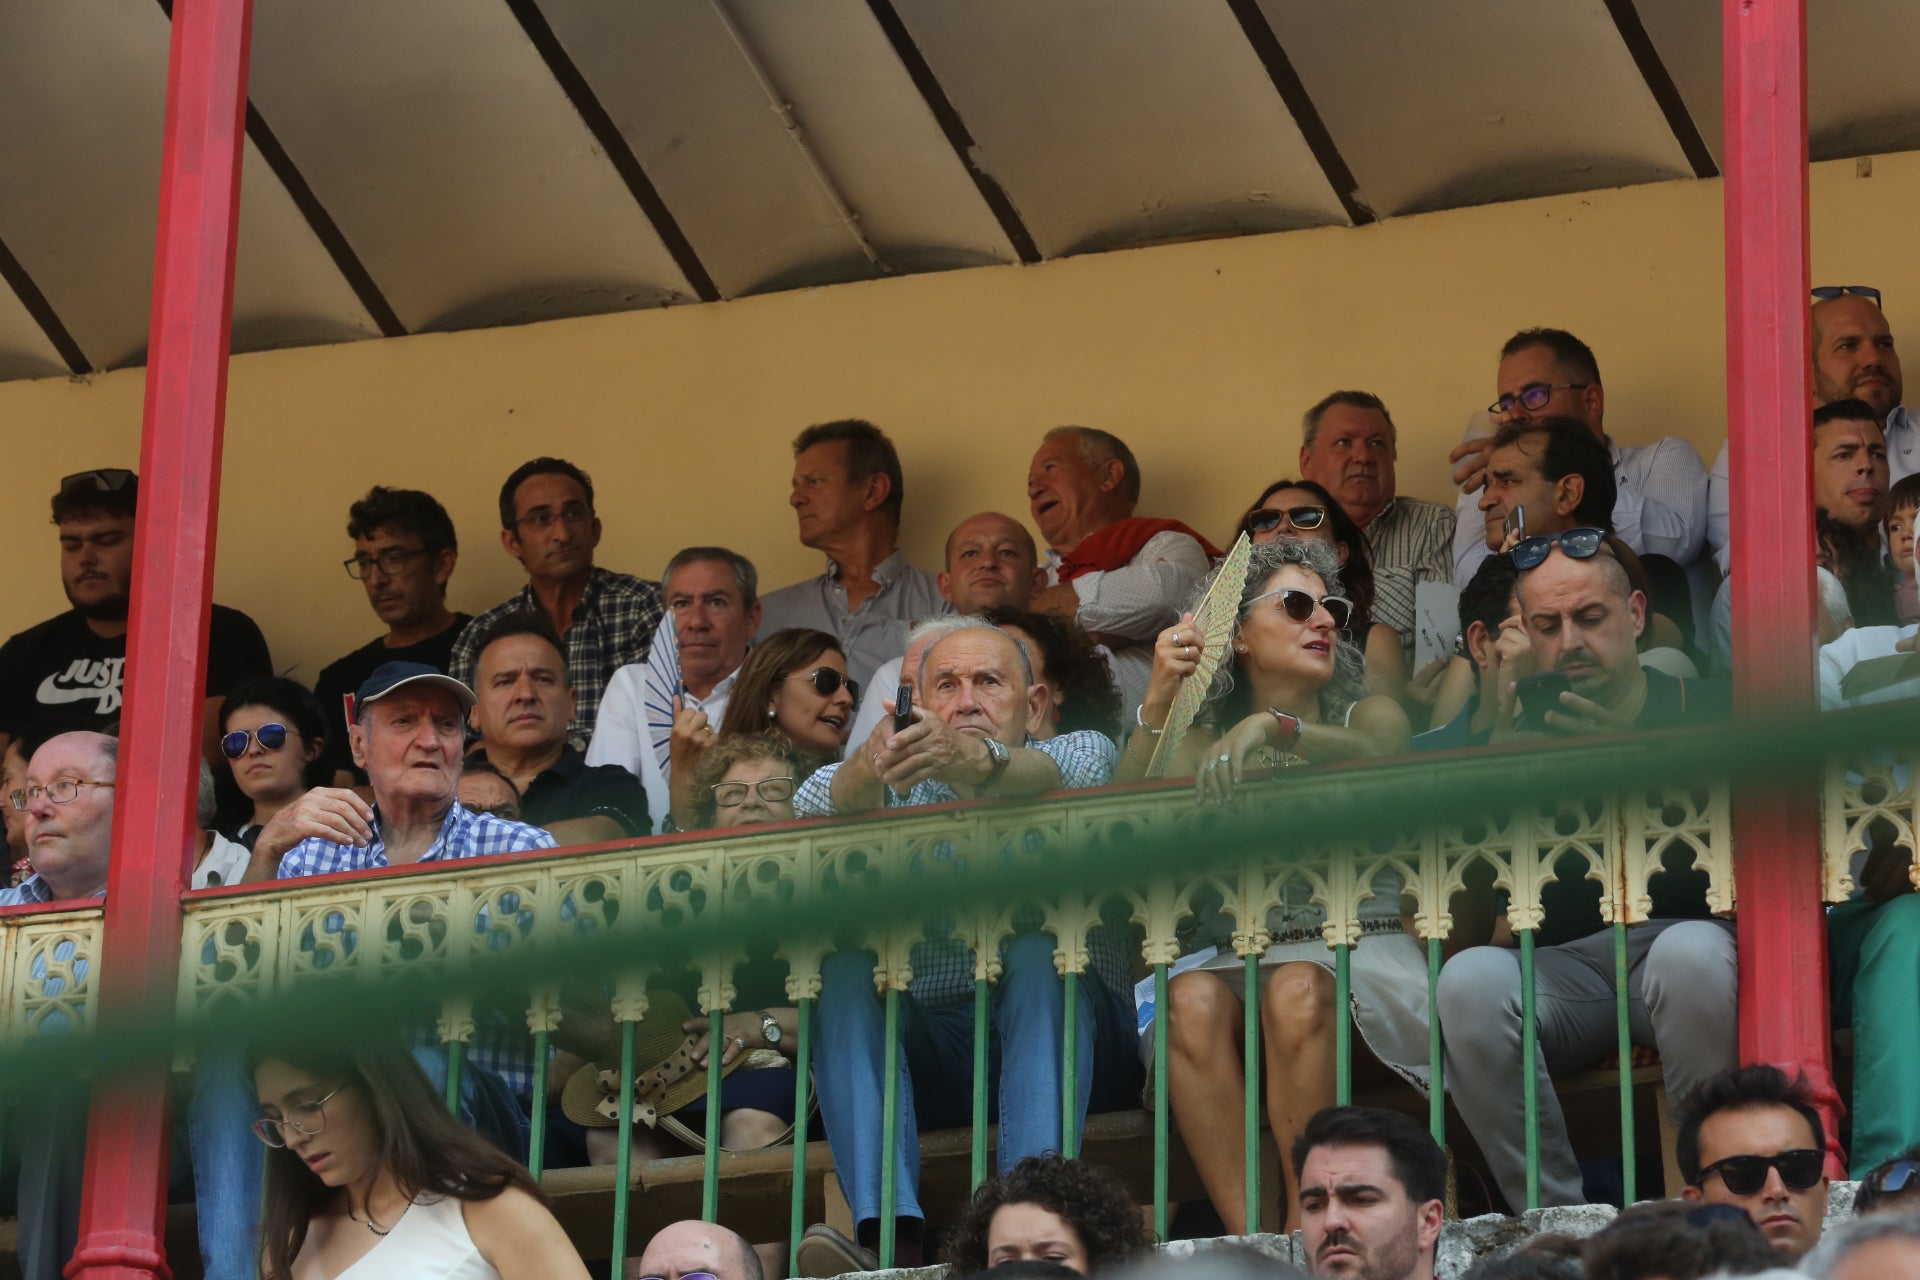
{"points": [[827, 682], [272, 737], [1302, 518], [1579, 544], [98, 480], [1299, 605], [1828, 292], [1896, 1177], [1745, 1175]]}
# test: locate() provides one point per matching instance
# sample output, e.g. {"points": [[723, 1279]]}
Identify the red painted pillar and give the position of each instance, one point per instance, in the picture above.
{"points": [[123, 1208], [1783, 948]]}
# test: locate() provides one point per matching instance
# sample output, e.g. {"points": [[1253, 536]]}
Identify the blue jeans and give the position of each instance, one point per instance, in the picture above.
{"points": [[1024, 1051]]}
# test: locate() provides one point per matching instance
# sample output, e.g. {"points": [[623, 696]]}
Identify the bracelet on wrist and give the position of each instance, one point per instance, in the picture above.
{"points": [[1140, 718], [1291, 727]]}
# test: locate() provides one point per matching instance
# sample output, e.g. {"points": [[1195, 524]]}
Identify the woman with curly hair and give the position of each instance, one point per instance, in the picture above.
{"points": [[746, 780], [1047, 1209], [1080, 685]]}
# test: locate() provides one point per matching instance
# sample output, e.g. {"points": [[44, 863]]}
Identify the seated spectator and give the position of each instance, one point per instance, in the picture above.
{"points": [[991, 563], [847, 495], [1469, 692], [1884, 1247], [216, 859], [523, 708], [969, 737], [1351, 448], [1121, 576], [1892, 1186], [1373, 1186], [1677, 1240], [1581, 617], [1751, 1137], [274, 738], [746, 780], [1080, 690], [1903, 506], [13, 777], [693, 1248], [1047, 1209], [1302, 509], [484, 789], [657, 713], [605, 620], [347, 1192], [404, 552], [67, 673]]}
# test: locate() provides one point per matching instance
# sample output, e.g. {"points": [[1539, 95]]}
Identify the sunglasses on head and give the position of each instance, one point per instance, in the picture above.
{"points": [[827, 682], [1828, 292], [1897, 1176], [1744, 1175], [98, 480], [1299, 605], [1578, 544], [1303, 518], [272, 737]]}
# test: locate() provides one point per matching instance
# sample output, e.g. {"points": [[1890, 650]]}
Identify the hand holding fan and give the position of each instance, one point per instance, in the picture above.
{"points": [[1214, 622]]}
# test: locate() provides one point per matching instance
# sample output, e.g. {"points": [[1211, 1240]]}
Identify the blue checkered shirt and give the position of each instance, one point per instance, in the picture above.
{"points": [[943, 967], [500, 1041], [34, 890], [612, 626]]}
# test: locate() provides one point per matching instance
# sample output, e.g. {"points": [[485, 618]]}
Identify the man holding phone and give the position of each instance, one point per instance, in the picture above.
{"points": [[1581, 618]]}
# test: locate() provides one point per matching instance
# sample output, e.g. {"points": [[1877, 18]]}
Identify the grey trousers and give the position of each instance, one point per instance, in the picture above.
{"points": [[1681, 977]]}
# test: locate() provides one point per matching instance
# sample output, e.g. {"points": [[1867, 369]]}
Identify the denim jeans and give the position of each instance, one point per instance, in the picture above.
{"points": [[228, 1163], [1025, 1040]]}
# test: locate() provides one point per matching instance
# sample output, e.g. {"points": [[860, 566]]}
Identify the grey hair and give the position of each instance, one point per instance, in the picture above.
{"points": [[744, 573], [1101, 447], [1310, 420], [1349, 682], [954, 626], [209, 801], [1826, 1257]]}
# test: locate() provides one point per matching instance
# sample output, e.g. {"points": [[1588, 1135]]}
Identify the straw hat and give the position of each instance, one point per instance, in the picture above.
{"points": [[665, 1076]]}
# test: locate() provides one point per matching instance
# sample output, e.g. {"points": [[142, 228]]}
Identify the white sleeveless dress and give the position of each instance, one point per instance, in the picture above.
{"points": [[430, 1242]]}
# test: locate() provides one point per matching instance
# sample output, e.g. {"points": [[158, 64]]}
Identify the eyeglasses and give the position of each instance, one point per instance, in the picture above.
{"points": [[731, 795], [543, 517], [1300, 605], [60, 791], [1301, 518], [388, 562], [1828, 292], [98, 480], [302, 1117], [272, 738], [1534, 395], [827, 682], [1895, 1177], [1579, 544], [1745, 1175]]}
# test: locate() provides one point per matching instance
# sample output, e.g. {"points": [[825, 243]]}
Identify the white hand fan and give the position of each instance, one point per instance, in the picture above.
{"points": [[1213, 620]]}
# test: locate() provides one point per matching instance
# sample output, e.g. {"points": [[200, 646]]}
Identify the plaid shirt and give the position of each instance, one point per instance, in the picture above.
{"points": [[34, 890], [500, 1041], [943, 966], [612, 625]]}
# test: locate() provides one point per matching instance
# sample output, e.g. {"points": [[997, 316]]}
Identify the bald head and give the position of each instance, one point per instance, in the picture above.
{"points": [[683, 1247], [68, 840], [1853, 355]]}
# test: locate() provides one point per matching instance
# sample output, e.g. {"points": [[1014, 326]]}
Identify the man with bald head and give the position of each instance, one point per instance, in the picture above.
{"points": [[691, 1247]]}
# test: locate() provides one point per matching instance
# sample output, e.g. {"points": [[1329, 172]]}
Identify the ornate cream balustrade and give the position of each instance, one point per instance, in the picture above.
{"points": [[1860, 794], [46, 970]]}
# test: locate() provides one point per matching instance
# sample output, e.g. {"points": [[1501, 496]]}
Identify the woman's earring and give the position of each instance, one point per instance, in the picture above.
{"points": [[1239, 648], [770, 713]]}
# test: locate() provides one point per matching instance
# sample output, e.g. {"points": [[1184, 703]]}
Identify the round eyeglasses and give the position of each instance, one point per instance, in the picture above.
{"points": [[302, 1117], [272, 737], [60, 791]]}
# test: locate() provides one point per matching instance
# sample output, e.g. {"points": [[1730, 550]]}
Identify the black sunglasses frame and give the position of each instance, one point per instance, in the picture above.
{"points": [[826, 682], [1579, 544], [1269, 518], [1828, 292], [98, 480], [240, 741], [1801, 1158]]}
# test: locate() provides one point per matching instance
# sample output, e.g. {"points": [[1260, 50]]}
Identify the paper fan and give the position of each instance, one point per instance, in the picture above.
{"points": [[1213, 620]]}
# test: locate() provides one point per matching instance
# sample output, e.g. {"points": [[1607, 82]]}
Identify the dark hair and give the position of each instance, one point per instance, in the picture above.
{"points": [[522, 622], [293, 701], [539, 467], [1873, 1187], [1571, 448], [868, 452], [1571, 354], [1078, 671], [1849, 410], [82, 499], [1746, 1088], [744, 574], [1092, 1201], [1520, 1265], [1417, 1159], [403, 511], [421, 1145], [1356, 573], [1853, 556], [1905, 493], [1488, 596], [1678, 1240], [725, 753], [479, 764], [766, 663], [1310, 420], [1100, 447]]}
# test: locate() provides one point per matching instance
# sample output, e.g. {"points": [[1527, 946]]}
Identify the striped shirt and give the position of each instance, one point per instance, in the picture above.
{"points": [[1409, 542]]}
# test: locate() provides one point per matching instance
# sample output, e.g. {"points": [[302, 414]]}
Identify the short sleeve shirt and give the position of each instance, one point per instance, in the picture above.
{"points": [[572, 789]]}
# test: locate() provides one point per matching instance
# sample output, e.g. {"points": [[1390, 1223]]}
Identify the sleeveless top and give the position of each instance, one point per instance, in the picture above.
{"points": [[430, 1242]]}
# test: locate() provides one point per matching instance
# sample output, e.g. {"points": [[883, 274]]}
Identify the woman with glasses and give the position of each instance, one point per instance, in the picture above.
{"points": [[746, 781], [273, 737], [1302, 509], [1290, 692], [370, 1176]]}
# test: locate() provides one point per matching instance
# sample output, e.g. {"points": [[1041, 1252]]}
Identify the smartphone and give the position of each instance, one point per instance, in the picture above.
{"points": [[1538, 695], [1516, 521], [903, 707]]}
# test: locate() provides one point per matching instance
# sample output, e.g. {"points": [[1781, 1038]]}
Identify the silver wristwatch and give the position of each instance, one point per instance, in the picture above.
{"points": [[997, 750], [769, 1028]]}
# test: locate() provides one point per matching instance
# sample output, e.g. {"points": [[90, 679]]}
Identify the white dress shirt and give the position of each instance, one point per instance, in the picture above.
{"points": [[636, 718], [1137, 601]]}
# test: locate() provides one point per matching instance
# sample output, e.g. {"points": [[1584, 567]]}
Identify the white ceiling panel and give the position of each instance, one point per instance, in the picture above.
{"points": [[25, 351], [1440, 103], [453, 162], [1112, 122]]}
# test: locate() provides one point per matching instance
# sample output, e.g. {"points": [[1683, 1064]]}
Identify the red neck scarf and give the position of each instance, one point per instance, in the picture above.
{"points": [[1117, 544]]}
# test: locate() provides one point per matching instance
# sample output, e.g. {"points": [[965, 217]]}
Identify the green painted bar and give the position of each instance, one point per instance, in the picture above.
{"points": [[456, 1058], [802, 1063], [623, 1163], [1250, 1083], [890, 1130], [1620, 1009], [710, 1169], [1530, 1067], [1070, 1068], [537, 1142], [980, 1004], [1342, 1025], [1436, 1050], [1161, 1141]]}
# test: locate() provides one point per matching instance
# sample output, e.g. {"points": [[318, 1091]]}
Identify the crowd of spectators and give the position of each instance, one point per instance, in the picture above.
{"points": [[1576, 588]]}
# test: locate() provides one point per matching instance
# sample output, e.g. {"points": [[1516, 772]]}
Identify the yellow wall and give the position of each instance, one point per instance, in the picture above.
{"points": [[1200, 355]]}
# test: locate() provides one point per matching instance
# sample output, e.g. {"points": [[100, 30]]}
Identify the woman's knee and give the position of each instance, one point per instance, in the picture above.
{"points": [[1297, 1002], [1201, 1012], [745, 1128]]}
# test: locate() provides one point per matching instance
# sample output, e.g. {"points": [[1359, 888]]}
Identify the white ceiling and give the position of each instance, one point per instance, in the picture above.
{"points": [[446, 164]]}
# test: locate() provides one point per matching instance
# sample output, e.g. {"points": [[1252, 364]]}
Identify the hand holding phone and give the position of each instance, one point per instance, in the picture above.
{"points": [[1539, 694], [903, 707], [1516, 522]]}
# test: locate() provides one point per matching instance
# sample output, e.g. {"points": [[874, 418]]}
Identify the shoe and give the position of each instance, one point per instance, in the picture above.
{"points": [[825, 1253]]}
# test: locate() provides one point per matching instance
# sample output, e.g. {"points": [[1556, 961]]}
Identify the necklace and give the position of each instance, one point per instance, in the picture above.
{"points": [[372, 1225]]}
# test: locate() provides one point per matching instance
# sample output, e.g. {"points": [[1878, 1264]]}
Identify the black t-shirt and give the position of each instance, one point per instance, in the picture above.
{"points": [[342, 679], [572, 788], [59, 676]]}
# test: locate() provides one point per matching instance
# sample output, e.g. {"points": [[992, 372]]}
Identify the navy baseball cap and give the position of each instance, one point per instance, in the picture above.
{"points": [[399, 675]]}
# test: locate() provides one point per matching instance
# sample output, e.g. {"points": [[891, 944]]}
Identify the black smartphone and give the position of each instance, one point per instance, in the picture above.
{"points": [[1538, 695], [1516, 521], [903, 707]]}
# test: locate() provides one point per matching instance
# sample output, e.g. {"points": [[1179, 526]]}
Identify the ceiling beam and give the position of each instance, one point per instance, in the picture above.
{"points": [[1666, 94], [1306, 116], [955, 129], [42, 311], [600, 123]]}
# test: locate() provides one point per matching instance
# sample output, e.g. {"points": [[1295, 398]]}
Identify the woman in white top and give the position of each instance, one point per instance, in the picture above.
{"points": [[370, 1176]]}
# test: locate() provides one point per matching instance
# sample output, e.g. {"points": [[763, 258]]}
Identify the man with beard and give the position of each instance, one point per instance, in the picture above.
{"points": [[1373, 1186], [67, 673]]}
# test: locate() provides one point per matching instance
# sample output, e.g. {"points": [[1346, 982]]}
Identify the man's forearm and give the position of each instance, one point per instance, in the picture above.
{"points": [[1028, 773], [856, 787]]}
